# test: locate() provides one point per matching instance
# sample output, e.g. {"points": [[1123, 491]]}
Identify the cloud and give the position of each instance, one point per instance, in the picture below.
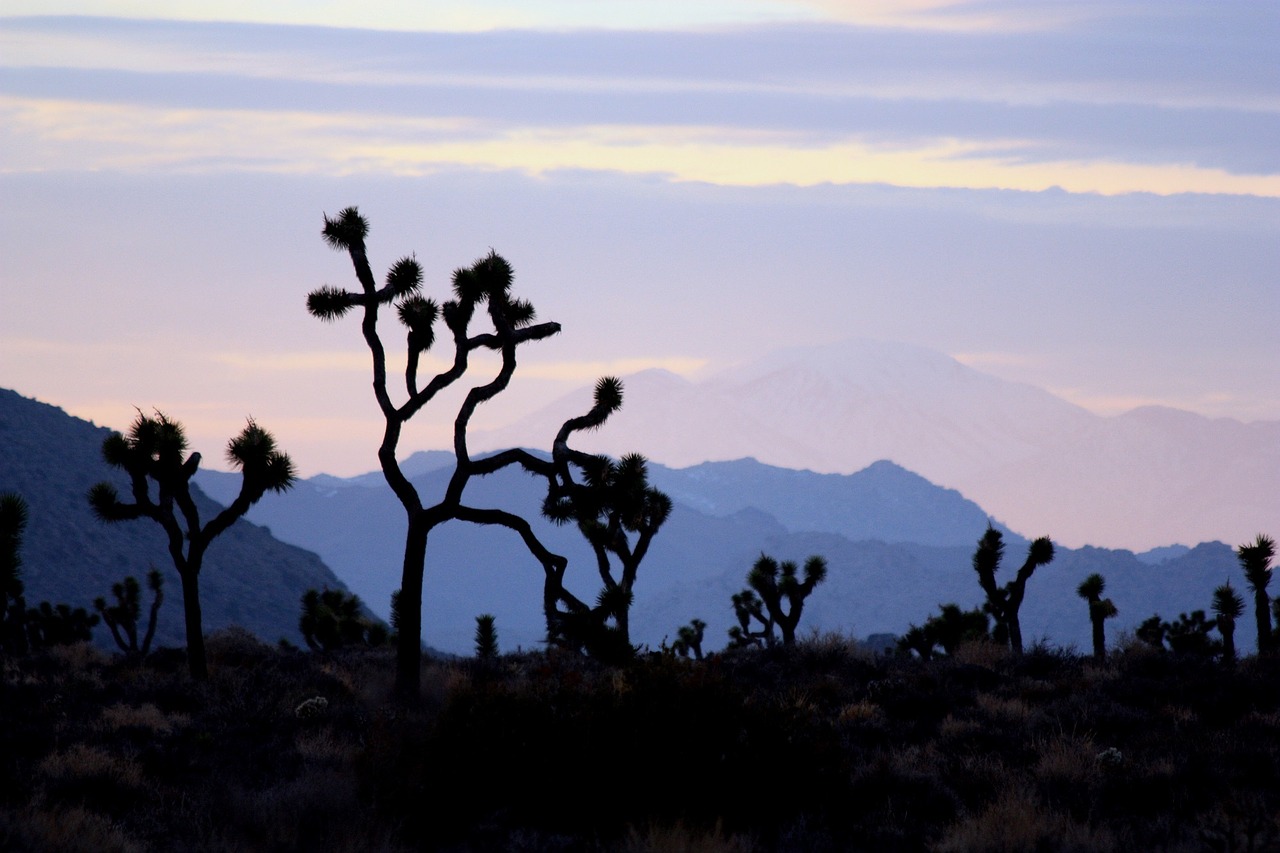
{"points": [[53, 135]]}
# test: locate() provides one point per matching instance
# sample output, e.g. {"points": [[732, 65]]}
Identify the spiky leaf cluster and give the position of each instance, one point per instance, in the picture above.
{"points": [[265, 467], [329, 303], [1227, 603], [346, 230], [13, 521], [486, 639]]}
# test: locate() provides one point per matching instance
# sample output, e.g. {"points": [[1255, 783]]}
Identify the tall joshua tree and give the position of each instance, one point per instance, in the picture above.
{"points": [[1100, 610], [618, 512], [13, 607], [774, 583], [1255, 559], [1004, 602], [154, 455], [1228, 606], [484, 286]]}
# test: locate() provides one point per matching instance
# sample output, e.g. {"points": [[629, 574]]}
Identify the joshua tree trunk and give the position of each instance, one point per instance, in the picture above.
{"points": [[1228, 631], [197, 662], [1099, 635], [1262, 614], [409, 639]]}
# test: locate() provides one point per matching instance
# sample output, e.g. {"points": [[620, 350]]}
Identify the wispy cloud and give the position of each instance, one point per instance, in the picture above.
{"points": [[44, 135]]}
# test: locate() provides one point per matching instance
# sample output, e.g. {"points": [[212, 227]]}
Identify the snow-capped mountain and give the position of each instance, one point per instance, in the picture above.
{"points": [[1038, 463]]}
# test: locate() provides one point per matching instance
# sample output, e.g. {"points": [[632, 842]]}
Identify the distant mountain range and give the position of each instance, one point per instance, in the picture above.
{"points": [[1040, 464], [897, 547], [52, 459]]}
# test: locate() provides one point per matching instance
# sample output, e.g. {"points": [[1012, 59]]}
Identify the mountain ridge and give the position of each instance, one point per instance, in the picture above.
{"points": [[1139, 480], [51, 459]]}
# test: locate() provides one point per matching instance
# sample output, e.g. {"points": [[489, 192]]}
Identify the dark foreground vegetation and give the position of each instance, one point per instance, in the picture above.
{"points": [[817, 746]]}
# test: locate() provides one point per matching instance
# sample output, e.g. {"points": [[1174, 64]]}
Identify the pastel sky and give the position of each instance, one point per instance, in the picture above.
{"points": [[1084, 196]]}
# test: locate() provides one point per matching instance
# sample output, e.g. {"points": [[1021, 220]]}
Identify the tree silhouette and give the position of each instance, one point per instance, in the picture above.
{"points": [[618, 512], [1100, 610], [13, 607], [1228, 606], [485, 283], [332, 619], [749, 608], [122, 617], [950, 628], [1004, 602], [1188, 635], [486, 638], [770, 585], [58, 625], [1255, 559], [152, 454], [689, 639]]}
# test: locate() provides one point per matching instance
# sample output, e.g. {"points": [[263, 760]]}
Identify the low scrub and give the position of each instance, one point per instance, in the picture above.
{"points": [[820, 746]]}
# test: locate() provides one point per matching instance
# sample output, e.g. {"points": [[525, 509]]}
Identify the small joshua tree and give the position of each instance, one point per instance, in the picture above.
{"points": [[1100, 610], [774, 583], [1188, 635], [689, 639], [1004, 602], [748, 609], [484, 287], [152, 454], [13, 607], [486, 638], [950, 628], [1228, 606], [1255, 559], [333, 619], [122, 617], [618, 512], [59, 625]]}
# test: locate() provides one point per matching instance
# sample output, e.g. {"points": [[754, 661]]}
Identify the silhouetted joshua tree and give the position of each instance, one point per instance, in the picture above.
{"points": [[486, 638], [618, 513], [485, 284], [748, 609], [950, 628], [152, 454], [774, 583], [1100, 610], [1004, 602], [1255, 559], [13, 607], [1189, 635], [59, 625], [689, 639], [332, 619], [1228, 606], [122, 617]]}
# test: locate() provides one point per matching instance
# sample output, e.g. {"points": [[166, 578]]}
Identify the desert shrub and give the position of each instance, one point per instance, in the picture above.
{"points": [[1016, 822]]}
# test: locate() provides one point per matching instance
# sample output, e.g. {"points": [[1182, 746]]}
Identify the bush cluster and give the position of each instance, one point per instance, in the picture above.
{"points": [[818, 746]]}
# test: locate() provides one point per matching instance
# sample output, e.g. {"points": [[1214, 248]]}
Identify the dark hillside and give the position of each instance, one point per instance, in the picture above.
{"points": [[52, 459]]}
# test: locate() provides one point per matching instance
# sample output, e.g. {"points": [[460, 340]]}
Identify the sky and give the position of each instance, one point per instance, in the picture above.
{"points": [[1083, 196]]}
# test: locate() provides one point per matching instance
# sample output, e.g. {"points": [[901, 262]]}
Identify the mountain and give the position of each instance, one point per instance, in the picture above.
{"points": [[1042, 465], [52, 459], [897, 546]]}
